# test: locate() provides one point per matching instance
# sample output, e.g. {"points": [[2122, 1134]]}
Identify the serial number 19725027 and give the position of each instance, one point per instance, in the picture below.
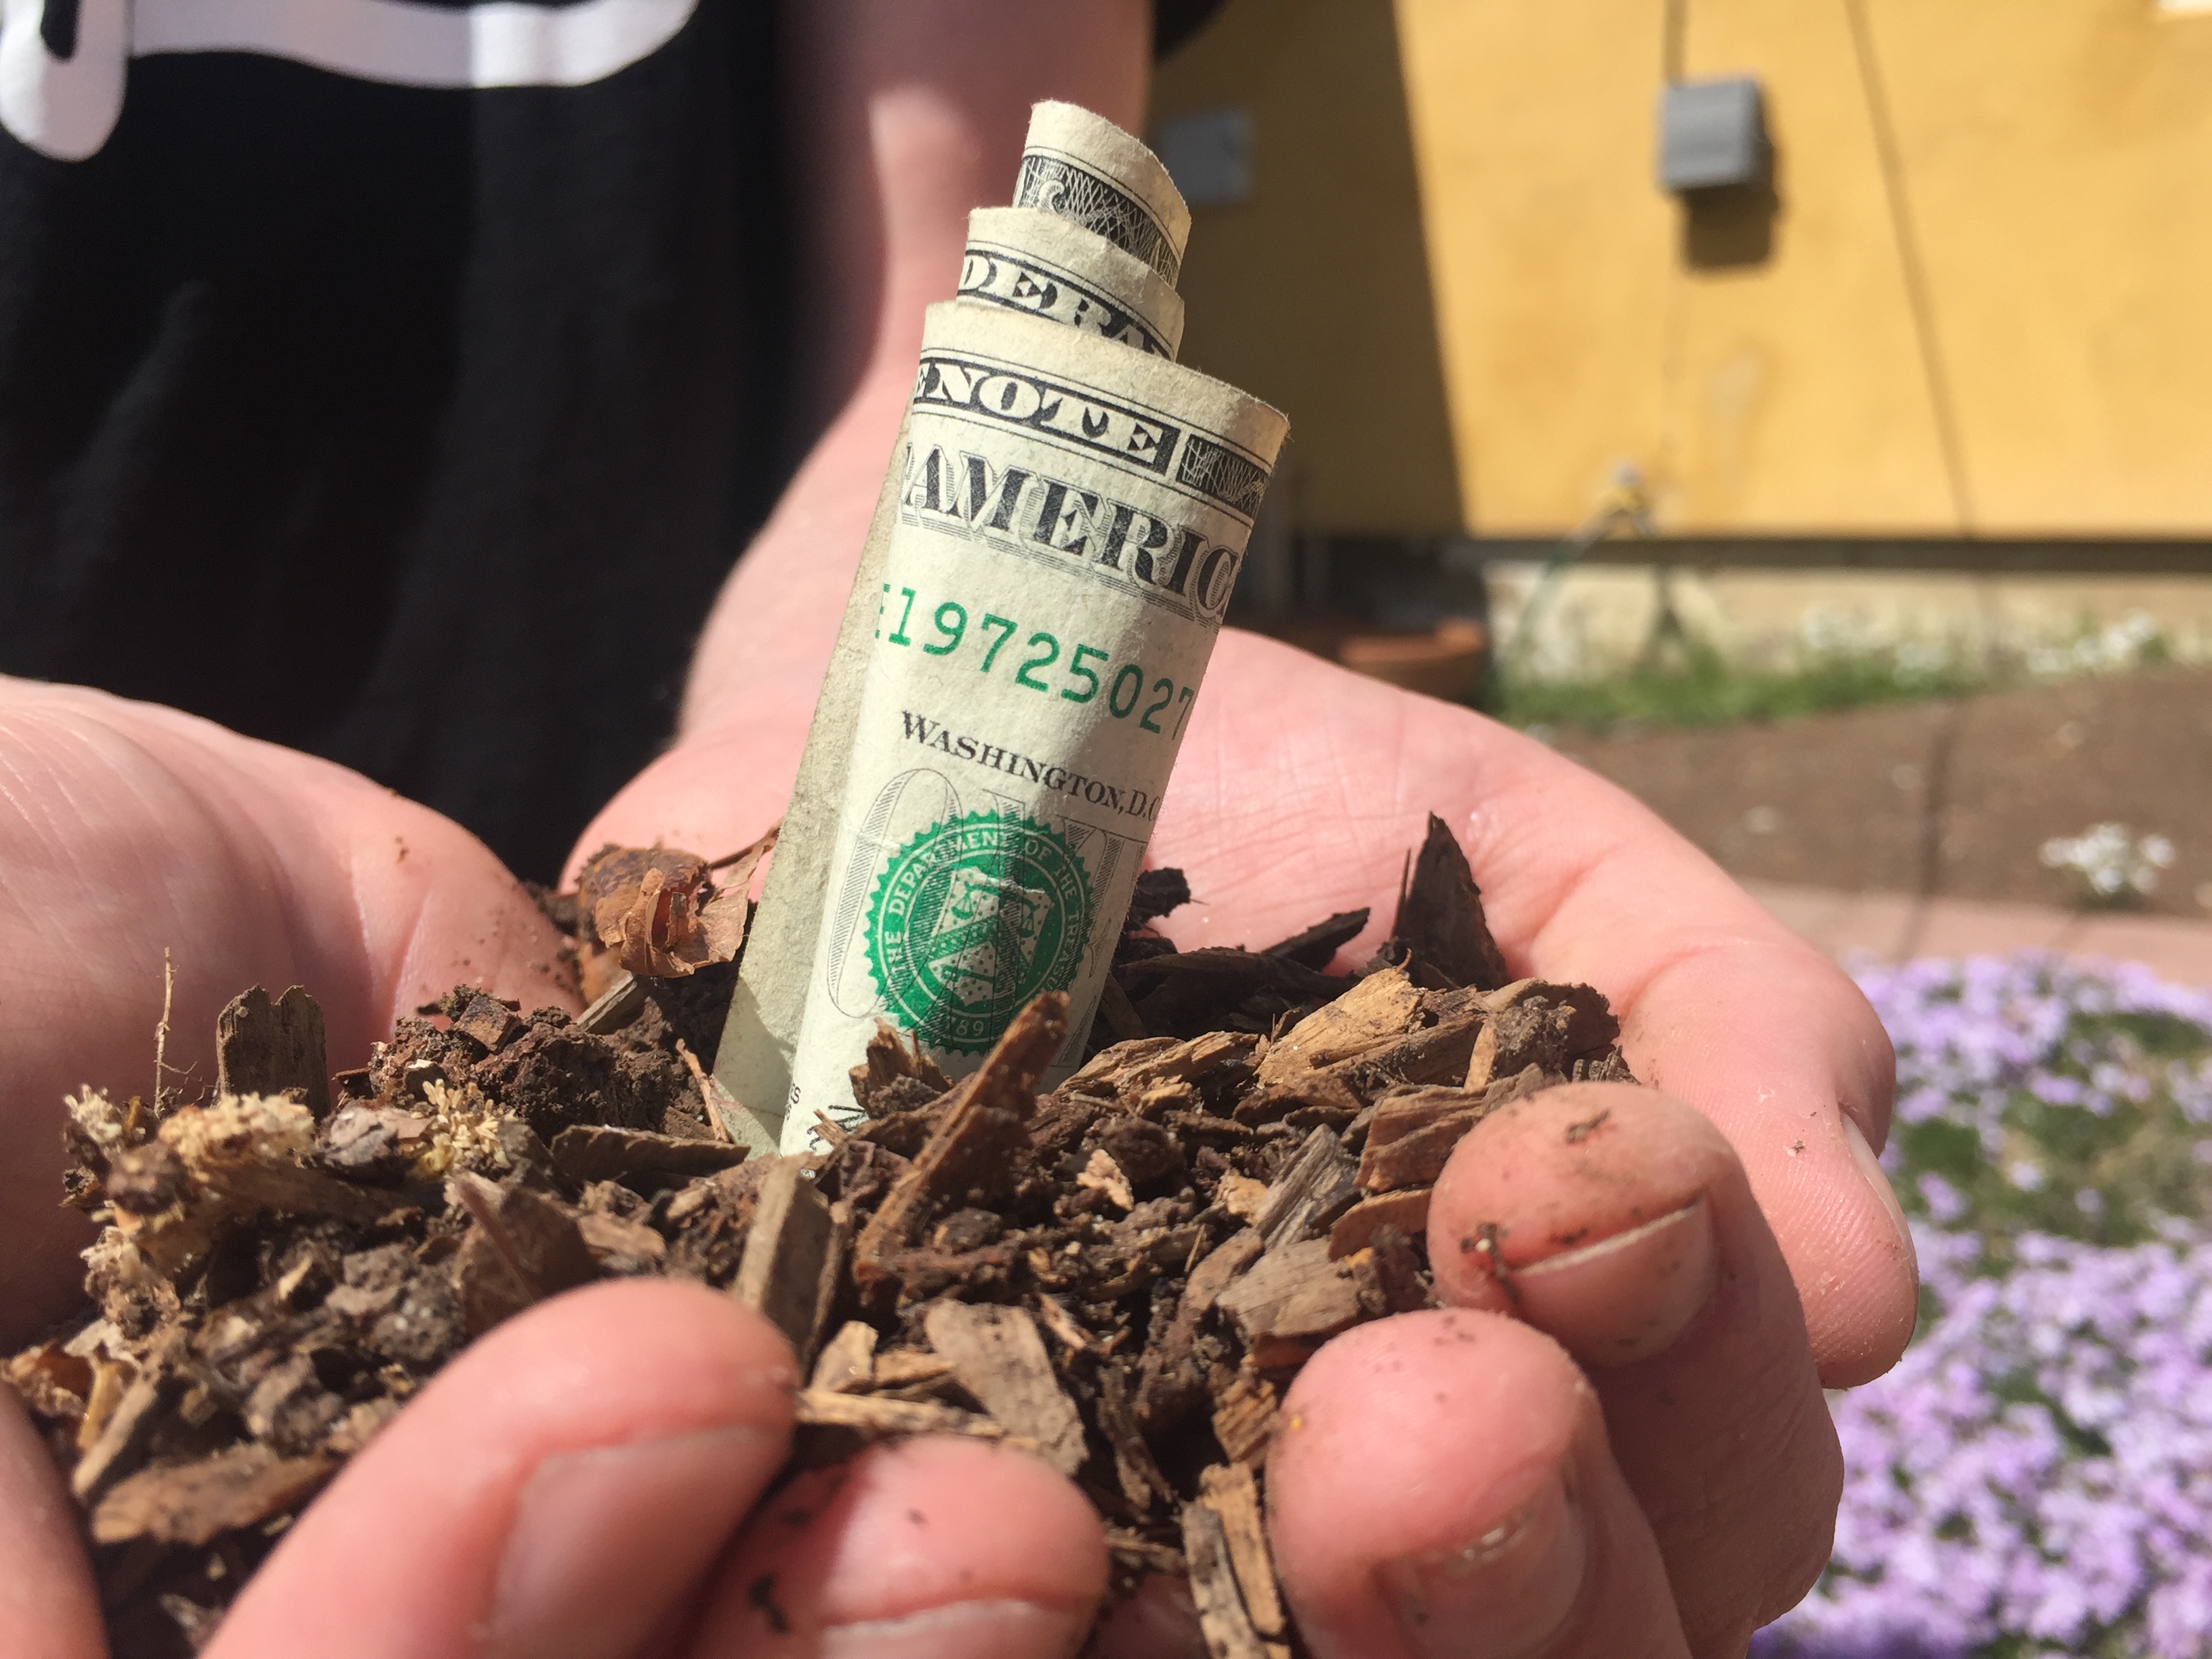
{"points": [[1086, 675]]}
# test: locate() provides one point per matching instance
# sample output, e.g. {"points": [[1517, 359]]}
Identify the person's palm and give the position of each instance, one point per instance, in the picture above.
{"points": [[1704, 1463], [127, 831], [573, 1484]]}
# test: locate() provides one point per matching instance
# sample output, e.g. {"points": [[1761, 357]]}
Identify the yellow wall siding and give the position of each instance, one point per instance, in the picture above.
{"points": [[1314, 293], [1548, 242], [2059, 159], [2006, 330], [1801, 405]]}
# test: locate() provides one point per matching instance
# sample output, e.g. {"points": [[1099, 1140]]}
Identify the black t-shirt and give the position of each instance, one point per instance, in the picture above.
{"points": [[393, 380], [412, 425]]}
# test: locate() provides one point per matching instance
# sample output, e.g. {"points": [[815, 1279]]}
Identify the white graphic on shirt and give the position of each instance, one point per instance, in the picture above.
{"points": [[66, 108]]}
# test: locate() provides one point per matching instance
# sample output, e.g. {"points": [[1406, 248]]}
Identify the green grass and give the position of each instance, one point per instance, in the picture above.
{"points": [[1700, 687]]}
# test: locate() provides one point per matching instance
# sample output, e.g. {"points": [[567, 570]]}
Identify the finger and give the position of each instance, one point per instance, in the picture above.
{"points": [[935, 1549], [555, 1493], [1721, 1005], [1794, 1099], [716, 791], [1620, 1222], [48, 1606], [1158, 1621], [1443, 1487]]}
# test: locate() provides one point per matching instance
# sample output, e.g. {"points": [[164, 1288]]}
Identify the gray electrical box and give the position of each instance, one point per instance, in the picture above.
{"points": [[1209, 156], [1712, 134]]}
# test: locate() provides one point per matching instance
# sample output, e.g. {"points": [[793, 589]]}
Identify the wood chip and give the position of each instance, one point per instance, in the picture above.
{"points": [[617, 1005], [1440, 918], [1291, 1302], [1241, 1196], [1318, 1185], [239, 1156], [877, 1419], [1200, 1058], [264, 1047], [123, 1437], [996, 1355], [1139, 1554], [587, 1152], [608, 1236], [793, 1254], [1135, 1470], [1103, 1072], [1418, 1158], [521, 1247], [1431, 1054], [1414, 1132], [909, 1368], [1231, 1492], [488, 1020], [192, 1503], [1118, 1014], [1355, 1229], [847, 1361], [1548, 1026], [1404, 1111], [1388, 1272], [1379, 1008], [1102, 1174], [890, 1057], [1061, 1323], [55, 1383], [1182, 987], [1221, 1612], [1245, 1415], [983, 1119], [1318, 945], [269, 1288]]}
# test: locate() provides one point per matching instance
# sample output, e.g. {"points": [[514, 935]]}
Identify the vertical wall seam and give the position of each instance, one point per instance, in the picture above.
{"points": [[1918, 295]]}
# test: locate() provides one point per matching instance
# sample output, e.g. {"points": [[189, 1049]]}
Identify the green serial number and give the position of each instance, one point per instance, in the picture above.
{"points": [[1087, 675]]}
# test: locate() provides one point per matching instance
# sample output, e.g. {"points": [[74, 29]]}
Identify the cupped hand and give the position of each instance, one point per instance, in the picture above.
{"points": [[129, 830], [1632, 1454], [1614, 1443], [587, 1483], [584, 1482]]}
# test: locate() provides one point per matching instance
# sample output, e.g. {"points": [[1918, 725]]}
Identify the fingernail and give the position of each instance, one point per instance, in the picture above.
{"points": [[964, 1630], [1505, 1594], [590, 1566], [1876, 1177], [1628, 1296]]}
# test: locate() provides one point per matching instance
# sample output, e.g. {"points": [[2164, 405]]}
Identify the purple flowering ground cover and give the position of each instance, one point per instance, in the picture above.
{"points": [[2035, 1476]]}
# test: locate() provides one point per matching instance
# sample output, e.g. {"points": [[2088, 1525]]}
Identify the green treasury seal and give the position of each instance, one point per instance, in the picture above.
{"points": [[970, 920]]}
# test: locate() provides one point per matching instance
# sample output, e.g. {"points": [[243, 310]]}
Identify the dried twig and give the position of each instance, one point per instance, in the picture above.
{"points": [[161, 1029], [712, 1094]]}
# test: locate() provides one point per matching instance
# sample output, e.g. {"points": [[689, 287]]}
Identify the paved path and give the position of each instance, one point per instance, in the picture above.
{"points": [[1954, 799], [1895, 926]]}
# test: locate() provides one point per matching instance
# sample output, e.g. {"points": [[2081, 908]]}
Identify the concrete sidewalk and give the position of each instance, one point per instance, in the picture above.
{"points": [[1953, 800], [1895, 926]]}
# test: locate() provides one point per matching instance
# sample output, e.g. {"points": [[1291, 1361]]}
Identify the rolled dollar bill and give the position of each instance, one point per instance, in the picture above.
{"points": [[1081, 167], [1023, 260], [1066, 533], [755, 1061]]}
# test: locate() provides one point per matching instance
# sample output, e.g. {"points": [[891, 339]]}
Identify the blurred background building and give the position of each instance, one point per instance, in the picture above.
{"points": [[1813, 398], [1884, 317]]}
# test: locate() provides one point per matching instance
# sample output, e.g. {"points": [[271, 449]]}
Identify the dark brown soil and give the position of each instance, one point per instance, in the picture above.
{"points": [[1951, 799]]}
